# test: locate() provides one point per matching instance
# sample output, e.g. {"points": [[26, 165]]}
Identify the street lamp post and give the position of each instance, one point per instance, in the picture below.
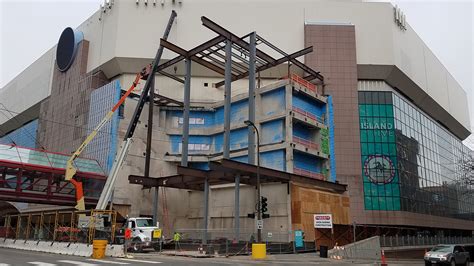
{"points": [[259, 211]]}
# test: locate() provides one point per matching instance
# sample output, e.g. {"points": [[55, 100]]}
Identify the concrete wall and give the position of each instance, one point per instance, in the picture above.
{"points": [[121, 43], [34, 81]]}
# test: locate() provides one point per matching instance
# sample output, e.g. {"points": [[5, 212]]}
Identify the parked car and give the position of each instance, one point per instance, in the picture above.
{"points": [[447, 254]]}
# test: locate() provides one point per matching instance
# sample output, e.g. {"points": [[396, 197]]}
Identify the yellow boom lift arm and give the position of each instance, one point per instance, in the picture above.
{"points": [[147, 73], [70, 168]]}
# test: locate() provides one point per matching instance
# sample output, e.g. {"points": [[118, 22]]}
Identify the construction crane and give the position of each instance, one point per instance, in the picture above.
{"points": [[147, 73]]}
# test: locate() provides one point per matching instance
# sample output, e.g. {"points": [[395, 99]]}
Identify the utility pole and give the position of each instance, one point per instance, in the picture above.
{"points": [[259, 198]]}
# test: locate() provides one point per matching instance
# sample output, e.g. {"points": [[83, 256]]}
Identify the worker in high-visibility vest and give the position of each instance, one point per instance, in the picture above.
{"points": [[176, 238]]}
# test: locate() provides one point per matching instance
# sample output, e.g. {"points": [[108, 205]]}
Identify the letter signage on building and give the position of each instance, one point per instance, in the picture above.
{"points": [[323, 221]]}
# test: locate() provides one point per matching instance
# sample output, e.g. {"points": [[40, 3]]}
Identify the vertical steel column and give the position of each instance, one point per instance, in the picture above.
{"points": [[251, 137], [155, 204], [237, 208], [187, 103], [227, 97], [206, 210], [149, 136]]}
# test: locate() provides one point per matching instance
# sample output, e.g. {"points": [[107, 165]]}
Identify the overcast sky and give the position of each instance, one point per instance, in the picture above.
{"points": [[30, 27]]}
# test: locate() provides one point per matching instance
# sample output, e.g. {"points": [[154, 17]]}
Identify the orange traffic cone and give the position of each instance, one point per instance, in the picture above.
{"points": [[384, 262]]}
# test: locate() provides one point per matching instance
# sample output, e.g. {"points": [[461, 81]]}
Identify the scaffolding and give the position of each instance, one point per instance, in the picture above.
{"points": [[61, 226]]}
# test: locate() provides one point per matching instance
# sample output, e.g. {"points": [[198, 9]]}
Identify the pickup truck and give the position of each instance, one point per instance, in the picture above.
{"points": [[447, 254], [145, 234]]}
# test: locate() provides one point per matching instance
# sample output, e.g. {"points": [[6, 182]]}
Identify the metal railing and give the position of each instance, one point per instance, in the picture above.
{"points": [[400, 241], [306, 143], [307, 173], [307, 114], [303, 82]]}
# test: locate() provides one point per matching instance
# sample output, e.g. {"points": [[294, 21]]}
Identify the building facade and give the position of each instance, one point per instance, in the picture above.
{"points": [[388, 122]]}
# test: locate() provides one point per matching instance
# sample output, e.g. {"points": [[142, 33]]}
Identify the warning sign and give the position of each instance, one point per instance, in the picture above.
{"points": [[323, 221]]}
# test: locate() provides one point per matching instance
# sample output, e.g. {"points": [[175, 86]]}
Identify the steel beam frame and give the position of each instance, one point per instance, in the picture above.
{"points": [[251, 73], [272, 64], [227, 98], [187, 104], [192, 54], [305, 68], [234, 38]]}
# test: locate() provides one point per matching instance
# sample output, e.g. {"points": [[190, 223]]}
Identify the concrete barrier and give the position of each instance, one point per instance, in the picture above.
{"points": [[365, 249], [76, 249]]}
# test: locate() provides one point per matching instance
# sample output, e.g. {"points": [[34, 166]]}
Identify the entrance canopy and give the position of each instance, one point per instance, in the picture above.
{"points": [[224, 172]]}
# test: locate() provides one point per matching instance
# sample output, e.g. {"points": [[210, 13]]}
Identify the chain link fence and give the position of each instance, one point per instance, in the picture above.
{"points": [[226, 242]]}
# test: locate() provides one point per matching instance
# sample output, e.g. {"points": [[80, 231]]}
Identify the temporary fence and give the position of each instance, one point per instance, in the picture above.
{"points": [[61, 226], [225, 242]]}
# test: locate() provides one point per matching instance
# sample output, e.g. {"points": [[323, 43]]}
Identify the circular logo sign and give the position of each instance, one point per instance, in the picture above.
{"points": [[67, 48], [379, 169]]}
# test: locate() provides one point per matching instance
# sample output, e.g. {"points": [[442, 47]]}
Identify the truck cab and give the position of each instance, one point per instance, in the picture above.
{"points": [[145, 234]]}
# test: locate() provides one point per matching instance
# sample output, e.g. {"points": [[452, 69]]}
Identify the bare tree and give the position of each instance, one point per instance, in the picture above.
{"points": [[467, 170]]}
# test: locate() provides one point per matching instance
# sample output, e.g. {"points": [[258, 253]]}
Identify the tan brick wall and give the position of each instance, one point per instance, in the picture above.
{"points": [[63, 116], [335, 56]]}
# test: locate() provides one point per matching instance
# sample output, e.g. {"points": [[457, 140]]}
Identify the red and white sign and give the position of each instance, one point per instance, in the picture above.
{"points": [[323, 221]]}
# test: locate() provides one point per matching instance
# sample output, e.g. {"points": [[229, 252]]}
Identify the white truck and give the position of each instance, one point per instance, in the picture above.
{"points": [[145, 234]]}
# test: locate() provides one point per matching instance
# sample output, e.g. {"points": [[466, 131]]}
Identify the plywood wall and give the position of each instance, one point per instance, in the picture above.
{"points": [[307, 201]]}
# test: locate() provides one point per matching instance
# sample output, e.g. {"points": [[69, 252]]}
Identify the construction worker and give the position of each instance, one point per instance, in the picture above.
{"points": [[128, 236], [176, 238]]}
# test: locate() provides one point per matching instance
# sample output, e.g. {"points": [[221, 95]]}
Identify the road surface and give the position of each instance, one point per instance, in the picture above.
{"points": [[14, 257]]}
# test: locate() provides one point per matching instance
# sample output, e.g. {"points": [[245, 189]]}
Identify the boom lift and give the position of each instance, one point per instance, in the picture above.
{"points": [[147, 73]]}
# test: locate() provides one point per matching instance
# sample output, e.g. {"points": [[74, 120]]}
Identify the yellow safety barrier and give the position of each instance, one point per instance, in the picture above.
{"points": [[259, 251], [98, 249]]}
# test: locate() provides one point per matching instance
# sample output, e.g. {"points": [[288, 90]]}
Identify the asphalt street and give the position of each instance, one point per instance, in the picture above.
{"points": [[22, 257], [16, 257]]}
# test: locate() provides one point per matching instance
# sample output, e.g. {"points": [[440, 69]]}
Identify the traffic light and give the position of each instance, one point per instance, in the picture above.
{"points": [[251, 215], [264, 208], [264, 205]]}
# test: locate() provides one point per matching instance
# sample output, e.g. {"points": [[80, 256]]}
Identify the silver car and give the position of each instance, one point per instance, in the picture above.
{"points": [[447, 254]]}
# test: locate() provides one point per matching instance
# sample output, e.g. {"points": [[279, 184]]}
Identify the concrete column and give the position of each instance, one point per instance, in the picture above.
{"points": [[206, 210], [251, 133], [237, 208], [187, 104], [227, 98]]}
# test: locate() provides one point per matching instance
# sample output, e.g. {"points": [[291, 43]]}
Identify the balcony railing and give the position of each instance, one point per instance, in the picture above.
{"points": [[307, 173], [303, 82], [307, 114], [306, 143]]}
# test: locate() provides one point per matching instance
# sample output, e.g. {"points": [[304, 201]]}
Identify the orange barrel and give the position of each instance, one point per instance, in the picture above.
{"points": [[98, 249]]}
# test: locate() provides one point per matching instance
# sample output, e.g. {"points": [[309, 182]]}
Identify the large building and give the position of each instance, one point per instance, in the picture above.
{"points": [[389, 120]]}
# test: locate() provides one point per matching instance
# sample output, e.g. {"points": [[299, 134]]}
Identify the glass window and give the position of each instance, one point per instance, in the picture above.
{"points": [[423, 156]]}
